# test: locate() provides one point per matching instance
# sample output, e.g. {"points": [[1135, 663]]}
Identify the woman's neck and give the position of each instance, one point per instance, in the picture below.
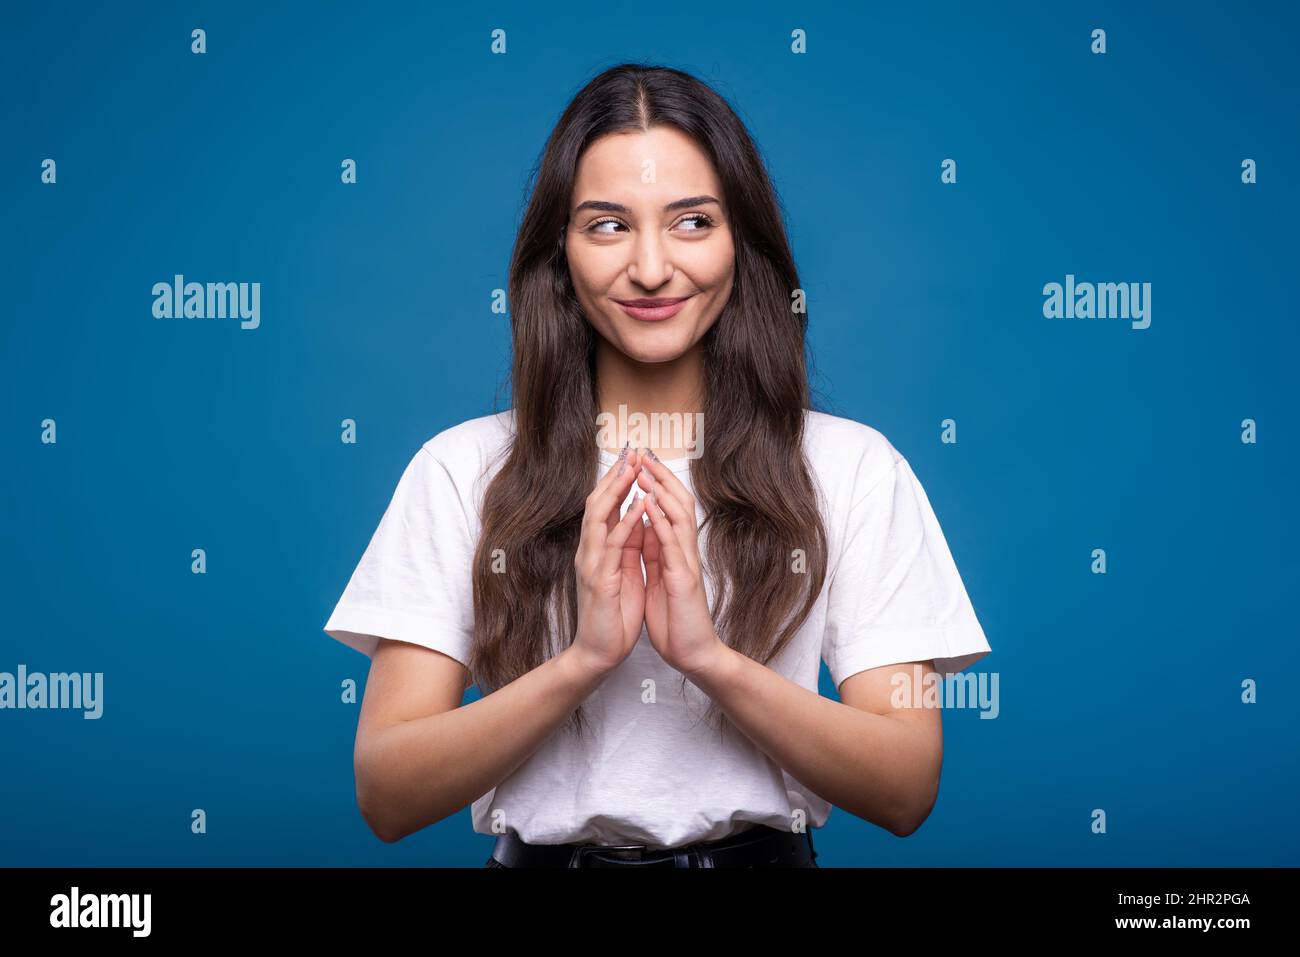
{"points": [[654, 404]]}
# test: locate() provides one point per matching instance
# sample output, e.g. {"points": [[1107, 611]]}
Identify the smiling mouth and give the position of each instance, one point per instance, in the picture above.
{"points": [[653, 310]]}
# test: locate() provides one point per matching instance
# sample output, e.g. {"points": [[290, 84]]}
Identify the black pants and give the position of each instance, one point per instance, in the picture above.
{"points": [[807, 856]]}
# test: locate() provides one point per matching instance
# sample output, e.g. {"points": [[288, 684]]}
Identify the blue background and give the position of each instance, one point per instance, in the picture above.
{"points": [[1118, 691]]}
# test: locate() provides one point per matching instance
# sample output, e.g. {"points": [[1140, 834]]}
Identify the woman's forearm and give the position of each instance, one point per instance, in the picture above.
{"points": [[876, 766], [417, 772]]}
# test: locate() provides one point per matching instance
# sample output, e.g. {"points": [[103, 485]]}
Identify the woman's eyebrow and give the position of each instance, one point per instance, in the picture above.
{"points": [[608, 207]]}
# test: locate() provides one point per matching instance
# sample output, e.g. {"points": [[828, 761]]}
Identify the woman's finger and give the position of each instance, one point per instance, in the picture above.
{"points": [[666, 477], [627, 461], [650, 552], [681, 517], [617, 540], [603, 502], [670, 549]]}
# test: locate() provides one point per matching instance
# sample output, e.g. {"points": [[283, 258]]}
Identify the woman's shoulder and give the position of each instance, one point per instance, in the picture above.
{"points": [[467, 449], [847, 453]]}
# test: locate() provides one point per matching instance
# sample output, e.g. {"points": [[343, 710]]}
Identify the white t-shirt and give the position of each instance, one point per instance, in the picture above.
{"points": [[653, 773]]}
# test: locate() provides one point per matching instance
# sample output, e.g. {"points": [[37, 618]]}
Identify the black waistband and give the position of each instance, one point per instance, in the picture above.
{"points": [[757, 846]]}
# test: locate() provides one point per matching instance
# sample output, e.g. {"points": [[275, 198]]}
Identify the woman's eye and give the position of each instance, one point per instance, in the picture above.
{"points": [[701, 218]]}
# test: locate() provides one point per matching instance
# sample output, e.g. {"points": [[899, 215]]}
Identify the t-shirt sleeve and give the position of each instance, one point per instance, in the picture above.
{"points": [[413, 582], [896, 595]]}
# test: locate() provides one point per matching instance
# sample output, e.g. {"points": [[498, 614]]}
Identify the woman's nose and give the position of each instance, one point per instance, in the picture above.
{"points": [[649, 266]]}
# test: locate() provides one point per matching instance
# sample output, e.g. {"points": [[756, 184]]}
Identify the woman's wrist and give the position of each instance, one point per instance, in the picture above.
{"points": [[582, 666], [714, 669]]}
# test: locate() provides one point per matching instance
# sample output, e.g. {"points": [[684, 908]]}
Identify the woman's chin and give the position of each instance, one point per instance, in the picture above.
{"points": [[649, 342], [654, 352]]}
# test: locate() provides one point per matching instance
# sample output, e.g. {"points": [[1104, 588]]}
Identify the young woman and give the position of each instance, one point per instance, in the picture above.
{"points": [[645, 609]]}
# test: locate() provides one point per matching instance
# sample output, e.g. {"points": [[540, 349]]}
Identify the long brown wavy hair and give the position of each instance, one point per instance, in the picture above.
{"points": [[752, 480]]}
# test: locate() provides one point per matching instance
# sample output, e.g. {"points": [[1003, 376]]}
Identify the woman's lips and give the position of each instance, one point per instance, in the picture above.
{"points": [[650, 311]]}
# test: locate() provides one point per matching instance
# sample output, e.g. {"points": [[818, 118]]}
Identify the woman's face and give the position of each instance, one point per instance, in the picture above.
{"points": [[630, 237]]}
